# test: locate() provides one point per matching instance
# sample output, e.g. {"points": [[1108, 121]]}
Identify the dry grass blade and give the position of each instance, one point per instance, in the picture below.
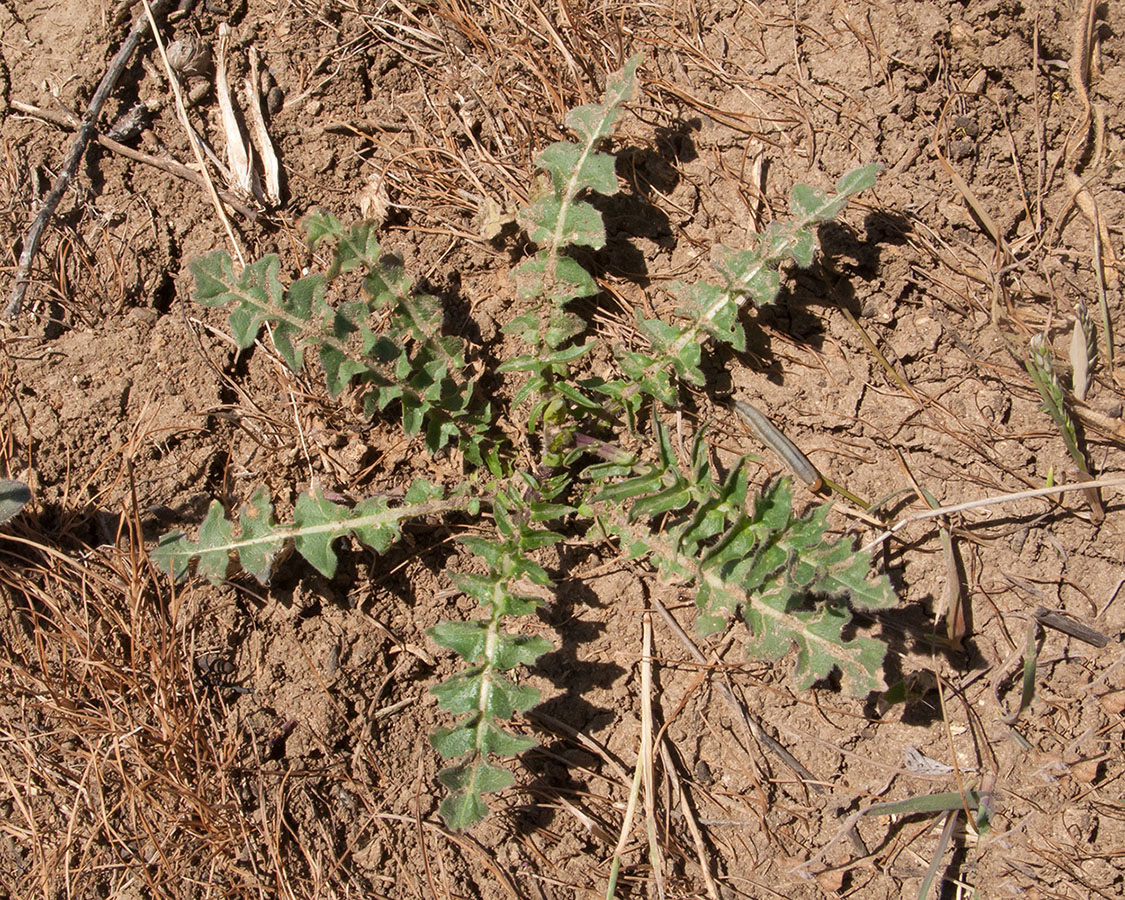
{"points": [[687, 806], [182, 115], [260, 132], [1096, 484], [144, 782], [641, 774], [238, 150], [648, 758]]}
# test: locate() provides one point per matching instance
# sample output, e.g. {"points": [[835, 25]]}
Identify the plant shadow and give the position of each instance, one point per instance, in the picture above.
{"points": [[553, 768]]}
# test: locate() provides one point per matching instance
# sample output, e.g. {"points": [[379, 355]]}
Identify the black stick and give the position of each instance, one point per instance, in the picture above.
{"points": [[77, 149]]}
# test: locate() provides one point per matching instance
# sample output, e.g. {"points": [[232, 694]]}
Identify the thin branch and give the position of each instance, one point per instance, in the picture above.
{"points": [[181, 111], [755, 728], [1113, 481], [67, 119], [77, 149]]}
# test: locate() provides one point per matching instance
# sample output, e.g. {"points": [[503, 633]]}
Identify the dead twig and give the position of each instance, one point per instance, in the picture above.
{"points": [[687, 808], [67, 119], [77, 149], [647, 759], [1111, 481], [1059, 621], [181, 111], [737, 708]]}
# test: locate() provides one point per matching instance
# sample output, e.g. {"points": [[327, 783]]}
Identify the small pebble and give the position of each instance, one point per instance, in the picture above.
{"points": [[198, 90], [275, 99], [703, 774]]}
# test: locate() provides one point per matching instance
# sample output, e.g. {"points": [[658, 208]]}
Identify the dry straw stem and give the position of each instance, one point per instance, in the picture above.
{"points": [[182, 112], [1107, 482], [239, 154], [687, 806], [1085, 37], [643, 781], [648, 758], [67, 119], [270, 164]]}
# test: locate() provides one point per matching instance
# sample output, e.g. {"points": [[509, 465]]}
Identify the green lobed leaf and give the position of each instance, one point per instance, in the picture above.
{"points": [[790, 578], [462, 810], [457, 741], [358, 247], [339, 369], [14, 496], [320, 224], [214, 544], [422, 490], [803, 250], [466, 639], [465, 806], [213, 274], [506, 698], [303, 297], [750, 275], [595, 121], [490, 551], [565, 160], [807, 202], [498, 741], [470, 736], [377, 535], [858, 180], [644, 371], [818, 636], [480, 777], [410, 361], [516, 649], [174, 554], [255, 520], [320, 522], [581, 224], [461, 693], [255, 293]]}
